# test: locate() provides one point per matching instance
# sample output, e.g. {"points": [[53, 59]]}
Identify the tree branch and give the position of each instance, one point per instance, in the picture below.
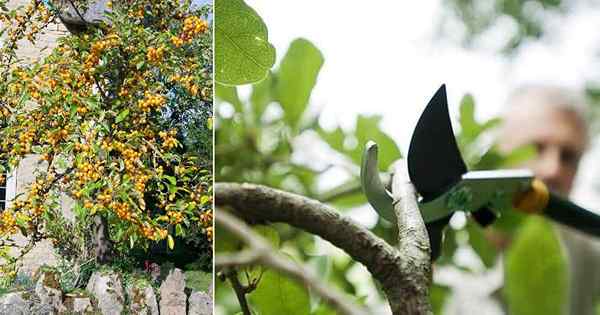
{"points": [[266, 256], [387, 264]]}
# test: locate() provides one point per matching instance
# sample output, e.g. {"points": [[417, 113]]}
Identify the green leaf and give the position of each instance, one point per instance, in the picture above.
{"points": [[519, 155], [296, 77], [229, 94], [321, 265], [243, 53], [470, 129], [262, 95], [122, 115], [170, 242], [536, 271], [226, 242], [277, 294], [367, 129], [486, 251], [437, 296]]}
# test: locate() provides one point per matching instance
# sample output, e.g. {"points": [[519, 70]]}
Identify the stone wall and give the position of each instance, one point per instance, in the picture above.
{"points": [[107, 294]]}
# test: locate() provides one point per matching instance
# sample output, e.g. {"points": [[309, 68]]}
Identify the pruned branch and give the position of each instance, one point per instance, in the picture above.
{"points": [[413, 243], [390, 266], [265, 255]]}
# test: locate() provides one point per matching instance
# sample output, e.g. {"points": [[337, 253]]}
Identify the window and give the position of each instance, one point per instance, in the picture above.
{"points": [[7, 190], [2, 193]]}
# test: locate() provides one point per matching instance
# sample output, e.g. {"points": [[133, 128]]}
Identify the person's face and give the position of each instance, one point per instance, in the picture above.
{"points": [[559, 137]]}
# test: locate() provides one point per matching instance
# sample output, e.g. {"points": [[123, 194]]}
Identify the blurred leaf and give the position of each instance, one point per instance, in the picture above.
{"points": [[296, 77], [229, 94], [470, 129], [262, 95], [449, 246], [334, 138], [269, 234], [437, 297], [276, 294], [243, 53], [324, 309], [484, 249], [321, 265], [367, 129], [225, 241], [346, 195], [519, 156], [536, 271]]}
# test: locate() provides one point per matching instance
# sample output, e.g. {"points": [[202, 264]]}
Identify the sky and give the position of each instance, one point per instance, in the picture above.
{"points": [[385, 59]]}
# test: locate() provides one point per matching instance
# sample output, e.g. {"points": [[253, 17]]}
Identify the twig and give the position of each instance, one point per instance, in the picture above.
{"points": [[268, 258], [240, 291]]}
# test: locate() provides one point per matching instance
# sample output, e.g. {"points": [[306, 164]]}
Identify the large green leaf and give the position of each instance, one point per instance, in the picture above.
{"points": [[536, 271], [296, 78], [243, 53], [277, 294]]}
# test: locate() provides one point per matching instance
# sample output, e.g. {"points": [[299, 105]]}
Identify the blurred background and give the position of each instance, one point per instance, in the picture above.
{"points": [[374, 68]]}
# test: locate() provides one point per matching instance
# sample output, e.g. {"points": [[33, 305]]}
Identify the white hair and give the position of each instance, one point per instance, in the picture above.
{"points": [[558, 97]]}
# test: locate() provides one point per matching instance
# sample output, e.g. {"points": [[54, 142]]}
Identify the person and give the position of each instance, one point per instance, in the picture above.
{"points": [[553, 119]]}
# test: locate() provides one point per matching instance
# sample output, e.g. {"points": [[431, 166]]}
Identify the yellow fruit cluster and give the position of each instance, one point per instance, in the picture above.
{"points": [[151, 101], [187, 82], [98, 48], [140, 182], [57, 136], [155, 55], [192, 27], [122, 210], [7, 223], [87, 172], [175, 217]]}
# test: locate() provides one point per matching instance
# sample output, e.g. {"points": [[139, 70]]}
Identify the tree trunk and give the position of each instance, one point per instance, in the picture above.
{"points": [[103, 246]]}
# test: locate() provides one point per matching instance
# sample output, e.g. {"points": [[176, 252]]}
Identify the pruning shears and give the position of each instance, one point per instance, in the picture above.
{"points": [[445, 185]]}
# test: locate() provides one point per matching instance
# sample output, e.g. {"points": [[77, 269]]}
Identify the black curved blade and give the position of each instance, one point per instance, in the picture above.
{"points": [[435, 231], [434, 161]]}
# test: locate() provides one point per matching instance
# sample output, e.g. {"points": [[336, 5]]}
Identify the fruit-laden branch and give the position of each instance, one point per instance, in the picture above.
{"points": [[392, 267], [265, 255]]}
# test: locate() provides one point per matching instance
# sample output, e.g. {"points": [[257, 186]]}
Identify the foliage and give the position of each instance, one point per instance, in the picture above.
{"points": [[478, 18], [198, 280], [119, 114]]}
